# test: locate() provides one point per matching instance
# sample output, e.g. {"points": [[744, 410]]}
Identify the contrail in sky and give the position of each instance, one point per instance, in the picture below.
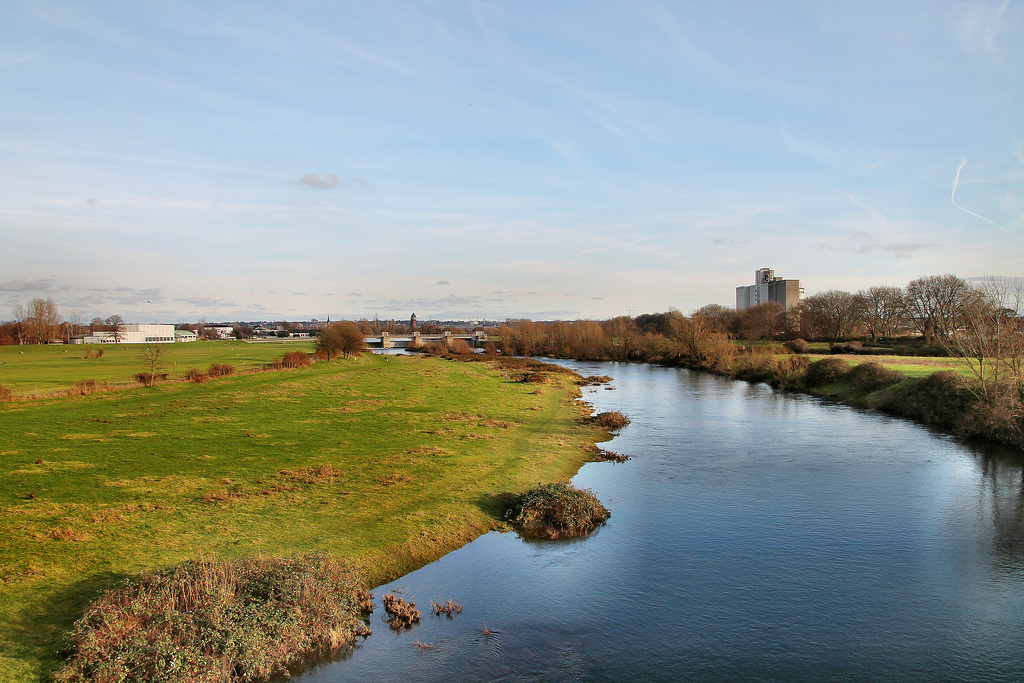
{"points": [[952, 197]]}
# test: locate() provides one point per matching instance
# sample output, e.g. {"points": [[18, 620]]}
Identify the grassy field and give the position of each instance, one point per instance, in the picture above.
{"points": [[388, 462], [41, 370], [911, 366]]}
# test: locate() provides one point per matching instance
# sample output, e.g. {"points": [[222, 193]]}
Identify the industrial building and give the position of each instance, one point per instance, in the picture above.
{"points": [[767, 288], [134, 333]]}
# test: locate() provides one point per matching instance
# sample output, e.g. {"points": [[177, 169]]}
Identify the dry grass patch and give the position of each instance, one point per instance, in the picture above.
{"points": [[501, 424], [393, 479], [314, 474], [429, 450], [67, 534]]}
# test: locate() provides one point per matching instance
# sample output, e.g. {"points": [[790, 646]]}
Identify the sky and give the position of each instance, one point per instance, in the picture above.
{"points": [[174, 161]]}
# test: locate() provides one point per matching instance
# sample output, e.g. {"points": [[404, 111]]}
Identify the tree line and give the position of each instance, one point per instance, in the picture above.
{"points": [[979, 322]]}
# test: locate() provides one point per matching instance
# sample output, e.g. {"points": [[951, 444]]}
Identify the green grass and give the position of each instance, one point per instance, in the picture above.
{"points": [[913, 366], [32, 370], [389, 464]]}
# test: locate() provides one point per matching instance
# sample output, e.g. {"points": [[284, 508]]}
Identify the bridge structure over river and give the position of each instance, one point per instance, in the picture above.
{"points": [[385, 340]]}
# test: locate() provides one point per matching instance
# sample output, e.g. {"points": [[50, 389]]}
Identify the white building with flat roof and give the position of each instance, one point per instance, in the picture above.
{"points": [[135, 333]]}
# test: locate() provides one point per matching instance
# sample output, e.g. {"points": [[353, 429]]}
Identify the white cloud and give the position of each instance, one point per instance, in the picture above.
{"points": [[328, 182]]}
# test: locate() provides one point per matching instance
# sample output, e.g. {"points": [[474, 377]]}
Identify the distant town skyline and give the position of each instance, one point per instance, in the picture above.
{"points": [[184, 160]]}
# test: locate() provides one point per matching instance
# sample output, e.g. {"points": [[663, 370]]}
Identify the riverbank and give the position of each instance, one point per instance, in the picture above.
{"points": [[938, 394], [389, 463]]}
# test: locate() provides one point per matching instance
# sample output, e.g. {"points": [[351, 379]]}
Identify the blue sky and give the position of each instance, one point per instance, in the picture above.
{"points": [[262, 160]]}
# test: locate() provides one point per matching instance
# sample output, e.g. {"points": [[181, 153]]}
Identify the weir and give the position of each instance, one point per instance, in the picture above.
{"points": [[385, 340]]}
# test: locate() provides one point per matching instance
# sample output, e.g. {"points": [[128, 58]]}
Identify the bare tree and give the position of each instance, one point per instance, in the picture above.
{"points": [[20, 314], [717, 316], [698, 341], [152, 357], [38, 322], [882, 309], [989, 336], [934, 302], [831, 313], [763, 321]]}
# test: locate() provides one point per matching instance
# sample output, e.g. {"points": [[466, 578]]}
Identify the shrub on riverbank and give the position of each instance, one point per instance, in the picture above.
{"points": [[611, 420], [401, 614], [873, 376], [825, 371], [556, 511], [211, 621]]}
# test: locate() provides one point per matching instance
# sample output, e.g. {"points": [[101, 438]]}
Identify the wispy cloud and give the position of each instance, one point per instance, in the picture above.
{"points": [[313, 180], [901, 250], [982, 24], [28, 286], [206, 302]]}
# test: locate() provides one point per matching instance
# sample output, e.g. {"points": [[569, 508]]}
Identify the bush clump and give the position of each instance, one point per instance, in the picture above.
{"points": [[6, 394], [873, 376], [295, 359], [611, 420], [400, 614], [825, 371], [213, 621], [556, 511], [197, 376], [221, 370], [797, 345]]}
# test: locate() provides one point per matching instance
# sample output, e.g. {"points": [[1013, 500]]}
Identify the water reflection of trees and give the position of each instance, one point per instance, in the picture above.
{"points": [[1001, 491]]}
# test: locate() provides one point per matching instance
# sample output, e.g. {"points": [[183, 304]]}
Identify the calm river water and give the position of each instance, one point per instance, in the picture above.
{"points": [[754, 536]]}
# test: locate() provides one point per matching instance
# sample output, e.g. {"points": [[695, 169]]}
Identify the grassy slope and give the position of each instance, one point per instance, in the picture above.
{"points": [[911, 366], [96, 488], [30, 369]]}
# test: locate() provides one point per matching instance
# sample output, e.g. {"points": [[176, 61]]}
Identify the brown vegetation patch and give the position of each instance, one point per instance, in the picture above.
{"points": [[449, 609], [221, 370], [501, 424], [223, 495], [603, 454], [611, 420], [473, 436], [459, 416], [214, 621], [67, 534], [429, 450], [313, 474], [106, 516], [400, 614], [393, 479], [197, 376]]}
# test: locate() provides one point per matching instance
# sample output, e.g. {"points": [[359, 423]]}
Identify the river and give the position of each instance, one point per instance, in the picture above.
{"points": [[755, 535]]}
